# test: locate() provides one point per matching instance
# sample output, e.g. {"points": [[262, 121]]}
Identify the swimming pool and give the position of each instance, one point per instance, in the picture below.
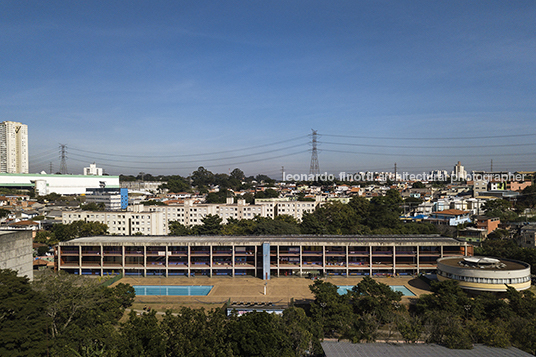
{"points": [[343, 289], [173, 290]]}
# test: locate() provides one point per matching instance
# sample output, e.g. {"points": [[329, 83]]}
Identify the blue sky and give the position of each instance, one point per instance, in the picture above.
{"points": [[167, 86]]}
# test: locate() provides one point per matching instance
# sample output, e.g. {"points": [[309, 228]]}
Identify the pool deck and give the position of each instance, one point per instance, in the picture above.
{"points": [[278, 290]]}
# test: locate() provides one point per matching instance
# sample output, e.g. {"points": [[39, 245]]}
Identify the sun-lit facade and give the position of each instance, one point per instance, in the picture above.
{"points": [[482, 274]]}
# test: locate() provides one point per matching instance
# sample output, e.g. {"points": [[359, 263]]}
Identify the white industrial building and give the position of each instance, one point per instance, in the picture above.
{"points": [[61, 184]]}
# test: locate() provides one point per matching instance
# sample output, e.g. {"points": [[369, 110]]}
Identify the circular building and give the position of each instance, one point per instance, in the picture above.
{"points": [[481, 274]]}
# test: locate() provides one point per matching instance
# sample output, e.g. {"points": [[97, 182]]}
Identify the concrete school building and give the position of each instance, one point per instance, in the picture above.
{"points": [[45, 184], [257, 256], [483, 274]]}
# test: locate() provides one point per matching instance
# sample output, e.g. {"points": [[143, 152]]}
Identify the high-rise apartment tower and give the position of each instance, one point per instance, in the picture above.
{"points": [[13, 148]]}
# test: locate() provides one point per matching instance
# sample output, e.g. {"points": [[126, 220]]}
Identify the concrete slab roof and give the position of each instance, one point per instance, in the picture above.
{"points": [[346, 349]]}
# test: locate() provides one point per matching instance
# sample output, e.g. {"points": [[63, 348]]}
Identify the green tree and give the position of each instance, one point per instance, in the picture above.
{"points": [[499, 208], [218, 197], [385, 211], [4, 213], [264, 179], [195, 332], [178, 229], [235, 227], [418, 184], [23, 322], [83, 314], [142, 336], [304, 334], [211, 225], [375, 298], [281, 225], [333, 218], [259, 334], [64, 232], [92, 206], [202, 178], [331, 310], [176, 184], [267, 193]]}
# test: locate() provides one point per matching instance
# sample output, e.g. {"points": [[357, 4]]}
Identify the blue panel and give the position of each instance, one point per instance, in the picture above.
{"points": [[124, 198], [266, 261]]}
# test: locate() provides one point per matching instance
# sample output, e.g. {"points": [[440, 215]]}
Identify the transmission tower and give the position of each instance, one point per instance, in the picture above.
{"points": [[63, 158], [314, 169]]}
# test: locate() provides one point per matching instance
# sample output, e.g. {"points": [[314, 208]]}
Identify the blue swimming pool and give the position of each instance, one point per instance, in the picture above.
{"points": [[173, 290], [343, 289]]}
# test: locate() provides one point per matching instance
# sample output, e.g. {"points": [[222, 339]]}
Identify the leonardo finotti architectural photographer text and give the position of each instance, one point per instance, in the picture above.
{"points": [[403, 176]]}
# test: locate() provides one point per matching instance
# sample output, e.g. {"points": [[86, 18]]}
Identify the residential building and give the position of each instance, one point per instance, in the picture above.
{"points": [[527, 236], [121, 223], [488, 223], [13, 148], [459, 173], [93, 170], [450, 217], [518, 186], [143, 186]]}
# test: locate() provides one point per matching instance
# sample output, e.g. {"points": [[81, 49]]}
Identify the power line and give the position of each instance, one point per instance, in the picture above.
{"points": [[197, 160], [428, 147], [424, 155], [430, 138], [200, 164], [198, 154]]}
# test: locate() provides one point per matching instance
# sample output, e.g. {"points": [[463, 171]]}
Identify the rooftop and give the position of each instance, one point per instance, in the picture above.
{"points": [[257, 240], [483, 263], [346, 349]]}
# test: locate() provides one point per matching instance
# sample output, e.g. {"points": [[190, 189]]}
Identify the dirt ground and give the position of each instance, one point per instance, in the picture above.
{"points": [[279, 291]]}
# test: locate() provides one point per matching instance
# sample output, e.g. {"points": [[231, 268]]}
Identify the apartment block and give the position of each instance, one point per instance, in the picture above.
{"points": [[13, 148], [121, 223]]}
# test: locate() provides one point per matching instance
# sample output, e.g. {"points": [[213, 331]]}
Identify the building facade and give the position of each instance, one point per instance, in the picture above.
{"points": [[114, 199], [482, 274], [93, 170], [16, 252], [13, 148], [61, 184], [255, 256], [120, 223]]}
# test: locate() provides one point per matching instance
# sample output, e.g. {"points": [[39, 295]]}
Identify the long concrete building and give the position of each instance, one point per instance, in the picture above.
{"points": [[257, 256]]}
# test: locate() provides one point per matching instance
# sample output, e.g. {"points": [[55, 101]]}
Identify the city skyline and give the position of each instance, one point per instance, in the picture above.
{"points": [[167, 87]]}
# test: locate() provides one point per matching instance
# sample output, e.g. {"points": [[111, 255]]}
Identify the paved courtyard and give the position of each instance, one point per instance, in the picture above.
{"points": [[278, 290]]}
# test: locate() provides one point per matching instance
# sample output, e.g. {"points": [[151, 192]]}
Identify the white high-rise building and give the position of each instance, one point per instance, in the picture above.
{"points": [[93, 170], [459, 172], [13, 148]]}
